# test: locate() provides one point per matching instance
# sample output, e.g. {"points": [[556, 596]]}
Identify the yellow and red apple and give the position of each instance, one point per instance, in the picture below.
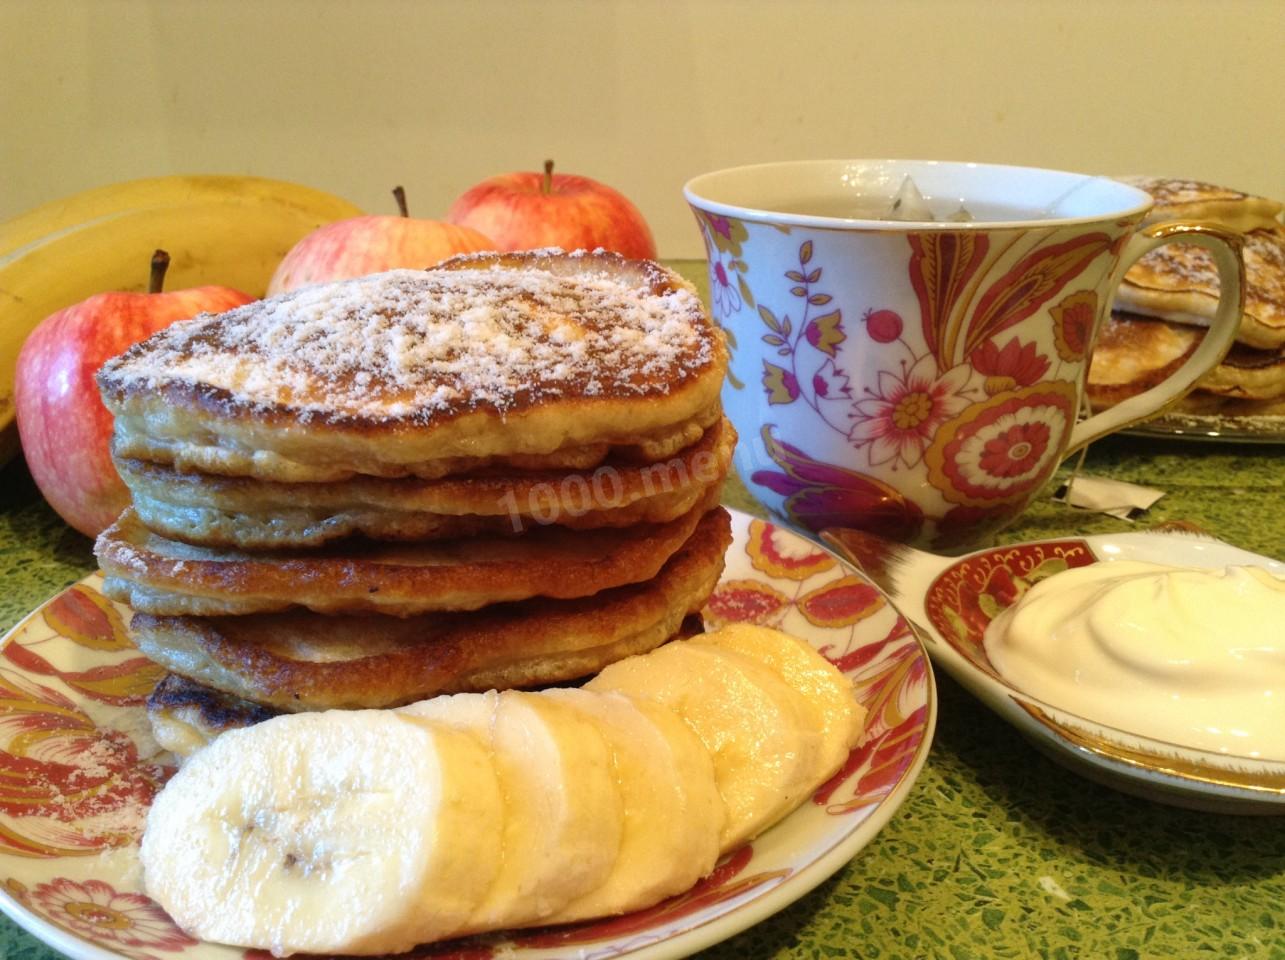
{"points": [[65, 429], [372, 244], [528, 211]]}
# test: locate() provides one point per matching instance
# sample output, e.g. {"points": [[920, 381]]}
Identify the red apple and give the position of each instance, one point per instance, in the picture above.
{"points": [[371, 244], [65, 428], [527, 211]]}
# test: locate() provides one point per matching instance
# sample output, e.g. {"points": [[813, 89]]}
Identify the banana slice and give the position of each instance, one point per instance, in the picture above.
{"points": [[828, 693], [472, 713], [356, 832], [755, 726], [563, 813], [672, 811]]}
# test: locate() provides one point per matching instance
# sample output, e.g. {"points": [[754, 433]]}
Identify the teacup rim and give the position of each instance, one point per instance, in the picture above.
{"points": [[1143, 201]]}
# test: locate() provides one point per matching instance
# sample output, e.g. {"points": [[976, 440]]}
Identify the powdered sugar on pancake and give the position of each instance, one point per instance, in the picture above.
{"points": [[1185, 267], [418, 345]]}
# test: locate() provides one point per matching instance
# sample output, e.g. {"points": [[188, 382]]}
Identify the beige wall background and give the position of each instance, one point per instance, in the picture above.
{"points": [[355, 97]]}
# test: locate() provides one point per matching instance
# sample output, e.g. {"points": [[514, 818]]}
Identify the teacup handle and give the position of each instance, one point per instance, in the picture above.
{"points": [[1225, 247]]}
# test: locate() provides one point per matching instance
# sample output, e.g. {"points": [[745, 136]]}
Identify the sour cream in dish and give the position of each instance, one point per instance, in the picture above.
{"points": [[1192, 657]]}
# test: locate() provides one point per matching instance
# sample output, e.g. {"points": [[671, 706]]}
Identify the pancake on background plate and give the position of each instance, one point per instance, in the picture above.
{"points": [[1134, 353], [1178, 199], [1167, 299], [1179, 282]]}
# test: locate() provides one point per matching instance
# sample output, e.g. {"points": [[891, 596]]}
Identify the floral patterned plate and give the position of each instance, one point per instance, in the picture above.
{"points": [[950, 601], [78, 768]]}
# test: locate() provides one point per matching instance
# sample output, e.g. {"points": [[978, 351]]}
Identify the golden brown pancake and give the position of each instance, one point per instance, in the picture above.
{"points": [[1178, 282], [1245, 411], [1179, 199], [1247, 374], [1134, 353], [131, 439], [524, 360], [167, 578], [186, 716], [1169, 295], [240, 512], [306, 661]]}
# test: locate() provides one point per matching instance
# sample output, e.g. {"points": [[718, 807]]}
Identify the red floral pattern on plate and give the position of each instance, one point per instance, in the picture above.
{"points": [[842, 602], [99, 912], [889, 669], [69, 787], [780, 554], [746, 601]]}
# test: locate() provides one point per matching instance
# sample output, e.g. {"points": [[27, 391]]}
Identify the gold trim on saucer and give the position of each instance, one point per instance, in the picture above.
{"points": [[1162, 763]]}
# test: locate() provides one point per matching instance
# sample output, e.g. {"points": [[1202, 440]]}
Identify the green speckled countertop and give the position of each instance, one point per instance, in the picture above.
{"points": [[997, 852]]}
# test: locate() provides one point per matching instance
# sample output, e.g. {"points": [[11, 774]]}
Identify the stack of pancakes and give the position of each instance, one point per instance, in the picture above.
{"points": [[501, 472], [1169, 297]]}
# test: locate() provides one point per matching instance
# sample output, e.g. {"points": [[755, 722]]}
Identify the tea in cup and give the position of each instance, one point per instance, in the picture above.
{"points": [[922, 378]]}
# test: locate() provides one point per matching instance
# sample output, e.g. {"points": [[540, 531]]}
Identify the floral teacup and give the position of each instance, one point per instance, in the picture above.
{"points": [[921, 380]]}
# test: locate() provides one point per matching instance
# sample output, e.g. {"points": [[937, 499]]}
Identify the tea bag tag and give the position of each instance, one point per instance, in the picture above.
{"points": [[1126, 501]]}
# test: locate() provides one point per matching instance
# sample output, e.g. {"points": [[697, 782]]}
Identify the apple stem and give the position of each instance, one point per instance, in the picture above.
{"points": [[400, 196], [160, 263], [546, 185]]}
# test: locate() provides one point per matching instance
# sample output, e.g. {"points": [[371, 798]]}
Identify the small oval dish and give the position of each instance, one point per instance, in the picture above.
{"points": [[951, 600]]}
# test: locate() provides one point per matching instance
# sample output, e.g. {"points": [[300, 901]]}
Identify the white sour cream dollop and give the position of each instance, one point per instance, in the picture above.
{"points": [[1188, 656]]}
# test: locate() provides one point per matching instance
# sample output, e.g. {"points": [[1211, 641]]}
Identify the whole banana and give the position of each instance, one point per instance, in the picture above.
{"points": [[225, 230], [67, 213]]}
